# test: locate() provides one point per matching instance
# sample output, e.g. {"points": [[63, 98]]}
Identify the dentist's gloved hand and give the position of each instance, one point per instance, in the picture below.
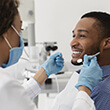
{"points": [[90, 73], [54, 64]]}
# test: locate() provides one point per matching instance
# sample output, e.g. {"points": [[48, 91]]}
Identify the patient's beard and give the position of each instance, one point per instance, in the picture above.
{"points": [[91, 51]]}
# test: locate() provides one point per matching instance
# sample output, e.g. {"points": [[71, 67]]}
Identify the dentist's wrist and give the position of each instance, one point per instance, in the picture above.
{"points": [[40, 76], [85, 89]]}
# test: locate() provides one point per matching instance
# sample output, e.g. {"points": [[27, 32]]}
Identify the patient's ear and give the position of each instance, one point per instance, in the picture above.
{"points": [[106, 43]]}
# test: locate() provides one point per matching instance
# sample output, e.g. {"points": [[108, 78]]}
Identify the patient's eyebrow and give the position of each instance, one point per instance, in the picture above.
{"points": [[81, 30]]}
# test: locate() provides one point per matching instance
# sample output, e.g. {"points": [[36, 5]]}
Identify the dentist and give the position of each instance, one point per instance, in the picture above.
{"points": [[13, 96]]}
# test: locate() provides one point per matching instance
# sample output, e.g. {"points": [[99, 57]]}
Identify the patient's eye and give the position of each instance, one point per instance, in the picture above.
{"points": [[81, 35]]}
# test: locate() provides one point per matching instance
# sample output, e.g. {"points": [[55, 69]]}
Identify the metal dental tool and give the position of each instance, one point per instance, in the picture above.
{"points": [[92, 56]]}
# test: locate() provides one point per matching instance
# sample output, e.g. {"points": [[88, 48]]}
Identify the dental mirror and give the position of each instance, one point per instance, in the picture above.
{"points": [[92, 56]]}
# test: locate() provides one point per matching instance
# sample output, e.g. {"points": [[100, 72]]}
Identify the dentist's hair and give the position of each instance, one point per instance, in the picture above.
{"points": [[8, 10], [102, 23]]}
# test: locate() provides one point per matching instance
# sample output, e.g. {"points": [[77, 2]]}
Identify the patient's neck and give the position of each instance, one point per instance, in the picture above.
{"points": [[104, 58]]}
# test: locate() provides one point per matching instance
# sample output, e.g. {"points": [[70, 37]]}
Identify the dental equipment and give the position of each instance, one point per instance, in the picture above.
{"points": [[92, 56], [46, 51]]}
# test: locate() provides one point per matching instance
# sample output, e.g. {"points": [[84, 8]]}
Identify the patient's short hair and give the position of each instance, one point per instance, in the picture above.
{"points": [[102, 22]]}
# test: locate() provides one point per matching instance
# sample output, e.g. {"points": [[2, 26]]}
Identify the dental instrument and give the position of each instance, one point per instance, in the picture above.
{"points": [[92, 56]]}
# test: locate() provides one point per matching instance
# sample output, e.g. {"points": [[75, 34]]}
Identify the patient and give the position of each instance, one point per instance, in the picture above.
{"points": [[91, 35]]}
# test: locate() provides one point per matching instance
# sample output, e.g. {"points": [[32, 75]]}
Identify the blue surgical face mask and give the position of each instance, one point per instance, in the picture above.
{"points": [[16, 52]]}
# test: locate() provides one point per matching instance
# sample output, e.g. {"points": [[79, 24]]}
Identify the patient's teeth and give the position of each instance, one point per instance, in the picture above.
{"points": [[76, 52]]}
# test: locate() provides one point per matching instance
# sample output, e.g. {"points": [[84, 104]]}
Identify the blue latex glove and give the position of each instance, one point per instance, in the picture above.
{"points": [[54, 64], [90, 73]]}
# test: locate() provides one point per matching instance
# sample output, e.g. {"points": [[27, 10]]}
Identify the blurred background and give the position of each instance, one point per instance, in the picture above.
{"points": [[48, 26]]}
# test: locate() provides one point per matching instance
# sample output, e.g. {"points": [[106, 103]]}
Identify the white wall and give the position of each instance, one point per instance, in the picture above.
{"points": [[25, 7], [55, 19]]}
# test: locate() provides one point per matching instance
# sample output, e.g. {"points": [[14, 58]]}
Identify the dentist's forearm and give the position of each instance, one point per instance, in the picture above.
{"points": [[40, 76]]}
